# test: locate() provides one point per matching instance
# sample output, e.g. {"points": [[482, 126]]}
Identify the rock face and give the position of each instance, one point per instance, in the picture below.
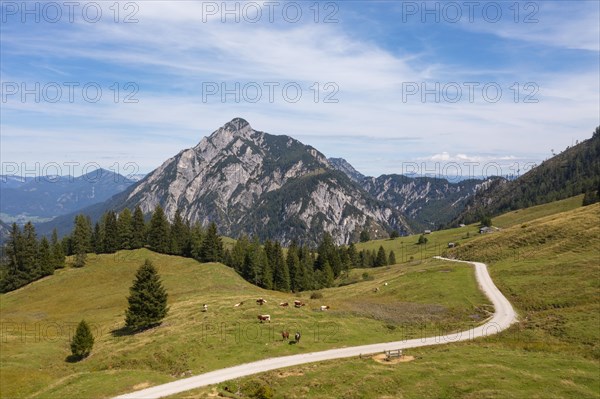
{"points": [[256, 183], [426, 202], [344, 166]]}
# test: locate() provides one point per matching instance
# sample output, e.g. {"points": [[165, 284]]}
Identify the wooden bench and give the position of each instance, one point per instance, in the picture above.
{"points": [[393, 354]]}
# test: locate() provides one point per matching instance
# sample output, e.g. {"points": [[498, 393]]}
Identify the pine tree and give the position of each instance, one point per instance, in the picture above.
{"points": [[44, 258], [294, 267], [97, 239], [381, 259], [125, 229], [29, 255], [353, 255], [58, 254], [365, 236], [327, 275], [147, 299], [15, 277], [179, 234], [111, 232], [81, 235], [158, 232], [238, 255], [281, 274], [138, 229], [83, 341], [392, 258], [212, 247]]}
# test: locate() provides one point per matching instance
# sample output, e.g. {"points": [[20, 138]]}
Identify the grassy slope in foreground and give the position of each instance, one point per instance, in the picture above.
{"points": [[550, 270], [38, 319]]}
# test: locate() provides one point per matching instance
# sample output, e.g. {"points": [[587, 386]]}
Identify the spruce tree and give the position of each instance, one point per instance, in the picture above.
{"points": [[392, 258], [97, 239], [147, 299], [81, 239], [138, 229], [381, 259], [281, 274], [111, 232], [179, 234], [327, 275], [294, 267], [29, 256], [15, 277], [58, 254], [158, 232], [83, 341], [212, 247], [44, 258], [125, 229]]}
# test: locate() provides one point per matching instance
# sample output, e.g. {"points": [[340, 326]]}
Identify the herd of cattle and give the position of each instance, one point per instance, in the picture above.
{"points": [[265, 317]]}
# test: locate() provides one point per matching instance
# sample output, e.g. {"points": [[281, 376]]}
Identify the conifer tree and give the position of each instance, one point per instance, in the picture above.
{"points": [[44, 258], [281, 274], [15, 276], [138, 229], [147, 299], [58, 254], [327, 275], [179, 234], [381, 259], [158, 232], [81, 235], [212, 247], [83, 341], [125, 229], [29, 255], [111, 232], [97, 239], [294, 267], [392, 258]]}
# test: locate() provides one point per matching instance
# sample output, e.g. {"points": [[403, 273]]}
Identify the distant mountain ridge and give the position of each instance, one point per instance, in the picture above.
{"points": [[51, 196]]}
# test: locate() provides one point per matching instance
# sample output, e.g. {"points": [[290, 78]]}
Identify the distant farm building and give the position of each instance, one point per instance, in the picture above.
{"points": [[427, 232]]}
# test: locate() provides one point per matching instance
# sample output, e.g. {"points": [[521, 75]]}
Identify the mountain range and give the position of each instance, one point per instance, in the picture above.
{"points": [[45, 197], [273, 186]]}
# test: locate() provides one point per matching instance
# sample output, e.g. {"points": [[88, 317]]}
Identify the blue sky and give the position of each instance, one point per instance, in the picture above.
{"points": [[393, 87]]}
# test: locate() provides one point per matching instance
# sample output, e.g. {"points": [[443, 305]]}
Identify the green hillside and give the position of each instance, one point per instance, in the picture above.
{"points": [[38, 320], [574, 171], [549, 269]]}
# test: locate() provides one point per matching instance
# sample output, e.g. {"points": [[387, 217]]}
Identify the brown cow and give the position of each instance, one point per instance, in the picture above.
{"points": [[261, 301], [298, 303], [285, 335], [264, 317], [284, 304]]}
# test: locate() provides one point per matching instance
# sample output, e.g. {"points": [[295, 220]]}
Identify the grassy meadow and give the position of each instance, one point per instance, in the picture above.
{"points": [[420, 298], [548, 267]]}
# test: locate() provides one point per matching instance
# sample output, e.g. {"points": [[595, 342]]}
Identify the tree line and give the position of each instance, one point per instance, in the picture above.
{"points": [[27, 258], [266, 264]]}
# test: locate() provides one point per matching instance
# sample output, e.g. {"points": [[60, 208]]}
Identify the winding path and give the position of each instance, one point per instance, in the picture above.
{"points": [[504, 315]]}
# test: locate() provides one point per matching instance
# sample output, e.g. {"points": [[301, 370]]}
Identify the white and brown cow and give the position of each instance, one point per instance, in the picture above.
{"points": [[324, 307], [261, 301], [298, 303], [284, 304], [264, 317]]}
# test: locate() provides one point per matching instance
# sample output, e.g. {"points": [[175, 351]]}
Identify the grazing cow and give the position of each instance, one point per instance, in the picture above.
{"points": [[297, 336], [324, 307], [264, 317], [376, 289], [298, 303], [261, 301], [284, 304], [237, 305], [204, 307], [285, 335], [385, 284]]}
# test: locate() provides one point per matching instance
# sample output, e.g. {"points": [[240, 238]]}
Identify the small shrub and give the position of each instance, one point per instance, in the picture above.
{"points": [[257, 389], [316, 295]]}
